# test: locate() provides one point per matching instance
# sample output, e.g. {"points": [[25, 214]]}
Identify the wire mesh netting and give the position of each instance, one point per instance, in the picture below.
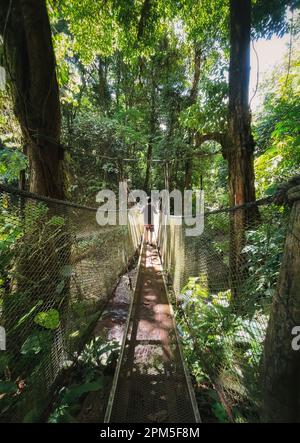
{"points": [[58, 267], [223, 282]]}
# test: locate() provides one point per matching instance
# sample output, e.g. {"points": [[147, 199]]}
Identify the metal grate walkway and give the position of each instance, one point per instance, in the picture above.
{"points": [[151, 384]]}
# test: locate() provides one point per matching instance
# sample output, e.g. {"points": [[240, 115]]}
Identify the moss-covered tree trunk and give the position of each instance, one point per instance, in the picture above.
{"points": [[30, 64], [239, 146], [281, 376], [240, 143]]}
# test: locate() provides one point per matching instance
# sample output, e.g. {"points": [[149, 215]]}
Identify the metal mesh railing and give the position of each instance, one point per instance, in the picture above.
{"points": [[223, 282], [57, 269]]}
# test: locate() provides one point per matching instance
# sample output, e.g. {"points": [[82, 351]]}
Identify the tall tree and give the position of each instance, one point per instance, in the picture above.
{"points": [[192, 99], [269, 17], [30, 63], [240, 144], [152, 128]]}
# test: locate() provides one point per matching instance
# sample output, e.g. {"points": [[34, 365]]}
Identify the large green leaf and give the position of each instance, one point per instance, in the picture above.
{"points": [[36, 342], [48, 319]]}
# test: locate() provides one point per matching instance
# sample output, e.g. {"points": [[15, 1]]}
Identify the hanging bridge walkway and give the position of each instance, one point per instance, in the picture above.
{"points": [[151, 382]]}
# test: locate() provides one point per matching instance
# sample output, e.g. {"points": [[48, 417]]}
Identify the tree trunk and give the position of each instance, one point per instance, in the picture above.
{"points": [[152, 128], [239, 145], [148, 164], [281, 378], [192, 100], [30, 63], [188, 173], [104, 94]]}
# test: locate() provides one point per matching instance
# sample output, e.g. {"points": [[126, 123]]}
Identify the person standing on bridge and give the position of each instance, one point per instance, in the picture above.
{"points": [[149, 210]]}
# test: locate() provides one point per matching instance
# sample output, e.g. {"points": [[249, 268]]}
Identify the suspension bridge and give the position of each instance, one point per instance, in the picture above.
{"points": [[59, 268]]}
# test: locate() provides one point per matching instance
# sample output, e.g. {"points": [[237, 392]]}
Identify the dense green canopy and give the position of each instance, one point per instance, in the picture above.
{"points": [[148, 75]]}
